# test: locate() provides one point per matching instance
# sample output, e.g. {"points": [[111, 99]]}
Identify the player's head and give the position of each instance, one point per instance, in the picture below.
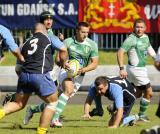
{"points": [[82, 31], [139, 27], [47, 19], [101, 84], [39, 27]]}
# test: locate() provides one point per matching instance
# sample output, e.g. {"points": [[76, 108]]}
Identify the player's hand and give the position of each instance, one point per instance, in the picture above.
{"points": [[86, 116], [81, 71], [61, 36], [114, 126], [123, 73], [67, 67]]}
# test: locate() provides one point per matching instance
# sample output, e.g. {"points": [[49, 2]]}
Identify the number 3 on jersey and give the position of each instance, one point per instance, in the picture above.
{"points": [[33, 44]]}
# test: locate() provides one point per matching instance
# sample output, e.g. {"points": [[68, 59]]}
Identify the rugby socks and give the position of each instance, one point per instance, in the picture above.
{"points": [[38, 108], [62, 101], [41, 130], [2, 113], [143, 106]]}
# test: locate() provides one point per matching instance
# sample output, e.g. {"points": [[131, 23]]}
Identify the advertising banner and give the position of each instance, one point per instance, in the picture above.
{"points": [[21, 14], [117, 16]]}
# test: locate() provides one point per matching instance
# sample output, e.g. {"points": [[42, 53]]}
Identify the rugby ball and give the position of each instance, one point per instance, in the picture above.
{"points": [[74, 67]]}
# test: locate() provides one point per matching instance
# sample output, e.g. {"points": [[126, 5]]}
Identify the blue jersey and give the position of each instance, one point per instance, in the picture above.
{"points": [[117, 88], [7, 38], [37, 53], [55, 41]]}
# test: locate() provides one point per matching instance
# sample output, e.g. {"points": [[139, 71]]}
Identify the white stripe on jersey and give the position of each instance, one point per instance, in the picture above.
{"points": [[129, 93], [44, 56]]}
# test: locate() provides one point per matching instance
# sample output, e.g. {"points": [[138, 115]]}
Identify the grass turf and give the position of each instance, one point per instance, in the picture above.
{"points": [[74, 124]]}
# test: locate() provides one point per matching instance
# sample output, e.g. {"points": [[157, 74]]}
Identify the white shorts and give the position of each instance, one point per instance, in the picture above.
{"points": [[76, 80], [137, 75], [55, 72]]}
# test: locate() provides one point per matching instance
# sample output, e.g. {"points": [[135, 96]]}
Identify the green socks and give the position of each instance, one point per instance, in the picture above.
{"points": [[62, 101], [143, 106], [38, 108]]}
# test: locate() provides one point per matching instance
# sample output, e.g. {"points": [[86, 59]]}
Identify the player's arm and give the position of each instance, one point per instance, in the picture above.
{"points": [[87, 106], [93, 65], [118, 118], [63, 56], [60, 47], [18, 54], [88, 102], [120, 60], [118, 101], [8, 39], [151, 52]]}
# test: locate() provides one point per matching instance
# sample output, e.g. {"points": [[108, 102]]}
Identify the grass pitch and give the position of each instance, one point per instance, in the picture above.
{"points": [[74, 124]]}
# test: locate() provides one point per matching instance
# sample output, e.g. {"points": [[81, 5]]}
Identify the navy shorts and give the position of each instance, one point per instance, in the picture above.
{"points": [[128, 101], [41, 84]]}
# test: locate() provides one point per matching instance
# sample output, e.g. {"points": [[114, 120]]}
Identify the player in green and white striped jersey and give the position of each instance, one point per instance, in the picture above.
{"points": [[137, 46], [83, 49]]}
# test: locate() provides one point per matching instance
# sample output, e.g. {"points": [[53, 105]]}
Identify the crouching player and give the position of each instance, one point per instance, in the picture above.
{"points": [[119, 90]]}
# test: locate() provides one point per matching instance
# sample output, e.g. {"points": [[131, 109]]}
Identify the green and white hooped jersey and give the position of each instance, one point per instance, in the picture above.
{"points": [[136, 48], [82, 51]]}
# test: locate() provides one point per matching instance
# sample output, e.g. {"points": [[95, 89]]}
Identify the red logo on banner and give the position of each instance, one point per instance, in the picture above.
{"points": [[111, 15]]}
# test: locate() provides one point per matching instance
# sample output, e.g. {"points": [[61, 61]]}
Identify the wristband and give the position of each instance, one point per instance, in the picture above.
{"points": [[121, 68]]}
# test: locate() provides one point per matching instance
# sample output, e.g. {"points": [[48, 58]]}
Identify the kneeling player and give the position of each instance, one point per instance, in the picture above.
{"points": [[119, 90]]}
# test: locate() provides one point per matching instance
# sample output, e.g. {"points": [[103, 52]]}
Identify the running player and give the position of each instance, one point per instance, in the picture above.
{"points": [[83, 49], [35, 76], [137, 47]]}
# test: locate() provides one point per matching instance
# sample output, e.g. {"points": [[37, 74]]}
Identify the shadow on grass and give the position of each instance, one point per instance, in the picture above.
{"points": [[85, 120], [80, 126], [9, 125]]}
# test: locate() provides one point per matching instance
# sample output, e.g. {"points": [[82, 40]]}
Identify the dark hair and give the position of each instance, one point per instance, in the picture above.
{"points": [[80, 24], [101, 80], [139, 20], [45, 15]]}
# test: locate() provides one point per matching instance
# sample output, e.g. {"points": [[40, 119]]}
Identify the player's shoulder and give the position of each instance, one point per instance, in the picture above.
{"points": [[145, 37], [90, 41], [68, 41], [131, 36]]}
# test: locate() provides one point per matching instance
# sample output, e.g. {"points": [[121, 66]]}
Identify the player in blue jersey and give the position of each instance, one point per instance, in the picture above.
{"points": [[35, 76], [117, 89], [7, 37], [46, 18]]}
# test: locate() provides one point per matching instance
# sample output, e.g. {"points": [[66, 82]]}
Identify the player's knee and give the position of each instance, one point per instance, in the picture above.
{"points": [[52, 105], [68, 87], [148, 95], [21, 105]]}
